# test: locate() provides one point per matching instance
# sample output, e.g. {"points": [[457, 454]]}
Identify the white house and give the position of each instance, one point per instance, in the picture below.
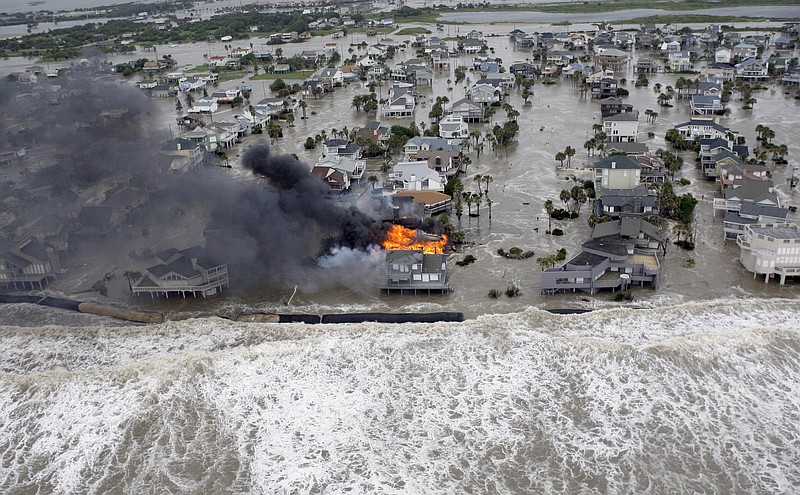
{"points": [[745, 50], [416, 176], [679, 61], [723, 55], [203, 105], [752, 70], [354, 168], [771, 249], [486, 91], [334, 76], [454, 129], [702, 104], [191, 84], [622, 127], [703, 127], [208, 138]]}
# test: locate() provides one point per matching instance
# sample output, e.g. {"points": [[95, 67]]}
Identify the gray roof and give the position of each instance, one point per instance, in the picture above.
{"points": [[99, 216], [623, 117], [755, 209], [181, 266], [752, 190], [586, 259], [432, 263], [619, 161], [612, 245], [626, 226], [733, 217], [404, 256], [701, 122], [631, 148], [706, 100], [466, 101], [789, 231], [434, 143]]}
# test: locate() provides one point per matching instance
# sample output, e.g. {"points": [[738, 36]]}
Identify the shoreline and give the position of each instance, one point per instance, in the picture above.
{"points": [[157, 317]]}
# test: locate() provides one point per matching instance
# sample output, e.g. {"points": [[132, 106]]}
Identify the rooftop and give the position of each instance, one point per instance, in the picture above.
{"points": [[778, 231]]}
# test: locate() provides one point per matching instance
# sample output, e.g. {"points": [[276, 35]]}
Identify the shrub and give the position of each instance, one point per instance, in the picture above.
{"points": [[624, 295], [561, 255], [687, 245], [494, 293], [468, 259], [557, 232], [560, 214], [515, 253], [513, 291], [310, 144], [684, 181]]}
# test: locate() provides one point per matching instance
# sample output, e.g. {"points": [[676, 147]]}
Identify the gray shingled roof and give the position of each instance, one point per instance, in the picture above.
{"points": [[617, 161]]}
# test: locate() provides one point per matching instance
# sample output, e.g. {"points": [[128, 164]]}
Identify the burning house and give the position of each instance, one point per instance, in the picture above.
{"points": [[415, 261]]}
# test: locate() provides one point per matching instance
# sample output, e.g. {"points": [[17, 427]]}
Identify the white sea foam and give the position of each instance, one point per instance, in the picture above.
{"points": [[691, 398]]}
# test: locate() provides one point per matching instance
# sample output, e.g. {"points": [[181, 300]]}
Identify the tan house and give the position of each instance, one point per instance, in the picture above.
{"points": [[617, 172]]}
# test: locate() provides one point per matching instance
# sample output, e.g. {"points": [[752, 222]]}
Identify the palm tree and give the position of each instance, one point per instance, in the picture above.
{"points": [[488, 179], [465, 162], [589, 146], [468, 199], [526, 93], [478, 199], [373, 179], [477, 181], [475, 135], [583, 89], [569, 151], [564, 196], [488, 112], [303, 105], [543, 261], [548, 207], [290, 119], [560, 156], [581, 199]]}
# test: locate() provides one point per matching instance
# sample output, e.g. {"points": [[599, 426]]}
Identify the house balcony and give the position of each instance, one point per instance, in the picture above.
{"points": [[743, 243], [727, 205]]}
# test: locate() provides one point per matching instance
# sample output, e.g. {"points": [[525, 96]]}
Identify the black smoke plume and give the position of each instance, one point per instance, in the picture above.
{"points": [[302, 195], [102, 136]]}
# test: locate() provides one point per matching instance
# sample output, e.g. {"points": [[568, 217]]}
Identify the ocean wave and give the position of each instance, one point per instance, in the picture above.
{"points": [[699, 397]]}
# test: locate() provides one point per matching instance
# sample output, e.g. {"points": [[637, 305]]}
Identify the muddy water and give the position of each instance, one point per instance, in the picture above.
{"points": [[525, 176]]}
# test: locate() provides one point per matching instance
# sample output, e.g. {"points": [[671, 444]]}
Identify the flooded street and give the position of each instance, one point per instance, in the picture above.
{"points": [[525, 176]]}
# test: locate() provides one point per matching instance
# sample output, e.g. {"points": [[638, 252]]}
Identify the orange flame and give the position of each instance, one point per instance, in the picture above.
{"points": [[399, 237]]}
